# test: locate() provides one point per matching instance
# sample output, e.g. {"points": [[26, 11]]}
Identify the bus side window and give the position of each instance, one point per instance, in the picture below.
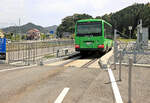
{"points": [[105, 32]]}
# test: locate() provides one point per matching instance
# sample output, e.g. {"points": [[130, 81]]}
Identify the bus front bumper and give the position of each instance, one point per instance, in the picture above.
{"points": [[89, 49]]}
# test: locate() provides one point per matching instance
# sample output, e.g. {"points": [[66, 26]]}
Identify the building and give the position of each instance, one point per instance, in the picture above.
{"points": [[33, 34], [1, 34]]}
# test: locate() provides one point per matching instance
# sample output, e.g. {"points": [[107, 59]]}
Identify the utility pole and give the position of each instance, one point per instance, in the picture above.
{"points": [[139, 34], [19, 28]]}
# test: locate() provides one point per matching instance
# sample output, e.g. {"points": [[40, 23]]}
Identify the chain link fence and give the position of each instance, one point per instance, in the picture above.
{"points": [[131, 63], [130, 50]]}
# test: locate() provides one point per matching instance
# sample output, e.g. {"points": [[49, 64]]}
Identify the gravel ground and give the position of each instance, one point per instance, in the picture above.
{"points": [[140, 84]]}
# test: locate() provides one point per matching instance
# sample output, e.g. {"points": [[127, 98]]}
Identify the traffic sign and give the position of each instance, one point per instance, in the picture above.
{"points": [[51, 32], [3, 48], [2, 45], [130, 27]]}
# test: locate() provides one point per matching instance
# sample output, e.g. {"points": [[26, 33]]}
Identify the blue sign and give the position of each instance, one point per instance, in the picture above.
{"points": [[2, 45], [51, 32]]}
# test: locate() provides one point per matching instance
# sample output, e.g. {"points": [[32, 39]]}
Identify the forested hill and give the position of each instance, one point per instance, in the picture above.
{"points": [[120, 19], [24, 28]]}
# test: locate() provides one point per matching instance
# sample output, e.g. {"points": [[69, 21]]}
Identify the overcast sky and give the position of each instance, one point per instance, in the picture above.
{"points": [[51, 12]]}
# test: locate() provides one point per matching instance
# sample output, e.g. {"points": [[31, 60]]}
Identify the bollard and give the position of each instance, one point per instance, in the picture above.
{"points": [[115, 48], [129, 80], [135, 53], [66, 51], [41, 62], [53, 50], [120, 60], [18, 51], [57, 53]]}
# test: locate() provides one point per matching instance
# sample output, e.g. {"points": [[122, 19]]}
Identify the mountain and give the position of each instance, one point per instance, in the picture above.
{"points": [[51, 28], [24, 28]]}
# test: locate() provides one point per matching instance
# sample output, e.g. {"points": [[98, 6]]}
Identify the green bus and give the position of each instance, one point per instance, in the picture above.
{"points": [[93, 35]]}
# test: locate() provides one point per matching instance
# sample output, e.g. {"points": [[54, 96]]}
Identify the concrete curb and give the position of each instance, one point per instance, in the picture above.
{"points": [[103, 61]]}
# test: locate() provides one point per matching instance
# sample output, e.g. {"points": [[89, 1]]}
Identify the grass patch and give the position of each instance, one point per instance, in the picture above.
{"points": [[126, 40], [48, 56]]}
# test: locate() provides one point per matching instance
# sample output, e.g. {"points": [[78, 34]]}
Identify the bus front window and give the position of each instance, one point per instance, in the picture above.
{"points": [[89, 28]]}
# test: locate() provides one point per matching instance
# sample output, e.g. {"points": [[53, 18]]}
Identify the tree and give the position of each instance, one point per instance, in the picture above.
{"points": [[68, 23], [120, 20]]}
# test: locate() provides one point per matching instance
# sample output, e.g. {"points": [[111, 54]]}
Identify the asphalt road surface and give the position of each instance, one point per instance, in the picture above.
{"points": [[43, 84]]}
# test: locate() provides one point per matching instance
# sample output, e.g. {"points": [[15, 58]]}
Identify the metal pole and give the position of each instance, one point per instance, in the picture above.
{"points": [[34, 51], [23, 50], [115, 31], [120, 60], [53, 49], [57, 53], [135, 53], [8, 52], [36, 48], [26, 53], [18, 51], [129, 80]]}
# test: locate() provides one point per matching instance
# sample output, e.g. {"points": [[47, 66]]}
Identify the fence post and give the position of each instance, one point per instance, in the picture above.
{"points": [[7, 53], [135, 53], [115, 31], [53, 49], [129, 80], [57, 53], [120, 62], [18, 51], [28, 45]]}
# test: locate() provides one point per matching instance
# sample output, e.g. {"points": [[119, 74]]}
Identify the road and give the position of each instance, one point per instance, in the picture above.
{"points": [[43, 84]]}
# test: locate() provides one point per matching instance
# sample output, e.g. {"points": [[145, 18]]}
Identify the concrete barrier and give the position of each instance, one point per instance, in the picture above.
{"points": [[103, 61]]}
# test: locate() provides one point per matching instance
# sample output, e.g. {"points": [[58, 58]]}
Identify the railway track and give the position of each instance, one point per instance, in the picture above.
{"points": [[89, 63], [78, 61], [70, 60]]}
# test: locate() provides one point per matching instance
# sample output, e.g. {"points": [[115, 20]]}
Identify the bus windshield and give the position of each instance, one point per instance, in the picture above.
{"points": [[89, 29]]}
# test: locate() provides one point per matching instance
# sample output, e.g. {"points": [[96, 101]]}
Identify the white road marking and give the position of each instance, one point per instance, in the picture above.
{"points": [[62, 95], [115, 87], [4, 70]]}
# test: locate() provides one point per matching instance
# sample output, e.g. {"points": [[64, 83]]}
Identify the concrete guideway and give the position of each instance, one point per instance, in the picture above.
{"points": [[76, 62]]}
